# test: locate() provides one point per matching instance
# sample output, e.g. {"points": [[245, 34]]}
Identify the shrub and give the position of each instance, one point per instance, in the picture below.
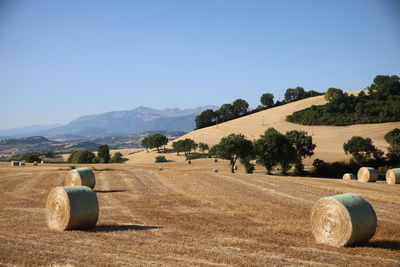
{"points": [[334, 169], [161, 159], [31, 157]]}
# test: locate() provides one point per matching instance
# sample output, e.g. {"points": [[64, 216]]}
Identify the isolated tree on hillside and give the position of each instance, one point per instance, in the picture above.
{"points": [[232, 147], [267, 100], [273, 148], [157, 141], [362, 149], [103, 154], [303, 145]]}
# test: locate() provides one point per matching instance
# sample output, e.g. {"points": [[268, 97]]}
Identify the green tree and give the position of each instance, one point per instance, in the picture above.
{"points": [[118, 158], [384, 86], [225, 113], [84, 156], [206, 118], [303, 145], [157, 141], [267, 100], [333, 94], [362, 149], [294, 94], [145, 143], [103, 153], [240, 107], [273, 148], [159, 159], [232, 147], [31, 157], [203, 147], [393, 138]]}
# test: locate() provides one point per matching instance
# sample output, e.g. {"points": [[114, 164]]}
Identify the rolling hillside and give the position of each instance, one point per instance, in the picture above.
{"points": [[329, 139]]}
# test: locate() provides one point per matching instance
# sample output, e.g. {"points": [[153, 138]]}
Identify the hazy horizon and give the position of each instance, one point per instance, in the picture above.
{"points": [[63, 60]]}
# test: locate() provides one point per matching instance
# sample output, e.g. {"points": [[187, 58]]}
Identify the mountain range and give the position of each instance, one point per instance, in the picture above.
{"points": [[112, 123]]}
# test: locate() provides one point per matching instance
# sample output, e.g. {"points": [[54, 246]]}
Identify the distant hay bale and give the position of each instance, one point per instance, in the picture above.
{"points": [[215, 160], [393, 176], [14, 163], [35, 163], [72, 207], [21, 163], [160, 168], [188, 162], [343, 220], [349, 176], [235, 168], [42, 162], [367, 174], [80, 176], [215, 170]]}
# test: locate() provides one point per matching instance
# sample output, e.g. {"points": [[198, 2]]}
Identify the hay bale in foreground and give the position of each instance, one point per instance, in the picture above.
{"points": [[21, 163], [80, 176], [215, 170], [72, 207], [343, 220], [348, 176], [367, 174], [393, 176], [14, 163]]}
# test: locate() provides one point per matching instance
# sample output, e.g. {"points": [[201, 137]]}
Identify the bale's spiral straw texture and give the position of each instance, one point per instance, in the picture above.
{"points": [[80, 176], [348, 176], [393, 176], [343, 220], [367, 174], [72, 207]]}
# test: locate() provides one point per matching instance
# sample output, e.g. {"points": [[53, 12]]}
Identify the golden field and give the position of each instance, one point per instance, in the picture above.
{"points": [[185, 215]]}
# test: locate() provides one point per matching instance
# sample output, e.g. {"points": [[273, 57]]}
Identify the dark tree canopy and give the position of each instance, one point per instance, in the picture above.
{"points": [[207, 118], [303, 145], [103, 154], [145, 143], [232, 147], [84, 156], [203, 147], [31, 157], [333, 94], [240, 107], [157, 141], [117, 158], [273, 148], [185, 145], [362, 149], [393, 138], [267, 100]]}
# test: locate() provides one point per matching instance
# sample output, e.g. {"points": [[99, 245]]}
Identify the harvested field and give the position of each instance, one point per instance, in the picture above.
{"points": [[187, 215]]}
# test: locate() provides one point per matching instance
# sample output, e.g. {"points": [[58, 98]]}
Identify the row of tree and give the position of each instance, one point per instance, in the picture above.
{"points": [[380, 104], [271, 149], [154, 141], [239, 107], [103, 156]]}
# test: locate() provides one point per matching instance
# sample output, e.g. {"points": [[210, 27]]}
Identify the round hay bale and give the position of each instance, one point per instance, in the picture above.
{"points": [[343, 220], [35, 163], [367, 174], [349, 176], [14, 163], [215, 170], [80, 176], [42, 162], [160, 168], [22, 164], [215, 160], [393, 176], [188, 162], [72, 207]]}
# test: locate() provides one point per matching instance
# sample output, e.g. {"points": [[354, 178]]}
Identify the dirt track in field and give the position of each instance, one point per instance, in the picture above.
{"points": [[186, 215]]}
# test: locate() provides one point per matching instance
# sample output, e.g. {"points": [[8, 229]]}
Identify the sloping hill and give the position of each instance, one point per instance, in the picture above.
{"points": [[329, 139]]}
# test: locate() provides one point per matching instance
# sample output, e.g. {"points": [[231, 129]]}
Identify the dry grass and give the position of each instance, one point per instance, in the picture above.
{"points": [[187, 215]]}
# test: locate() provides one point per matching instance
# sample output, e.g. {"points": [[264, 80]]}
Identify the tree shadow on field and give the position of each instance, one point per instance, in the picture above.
{"points": [[110, 191], [117, 228], [393, 245]]}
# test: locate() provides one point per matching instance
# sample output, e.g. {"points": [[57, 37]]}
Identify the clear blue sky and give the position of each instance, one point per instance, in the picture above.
{"points": [[63, 59]]}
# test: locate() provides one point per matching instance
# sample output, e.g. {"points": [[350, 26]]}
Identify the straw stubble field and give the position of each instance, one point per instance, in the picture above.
{"points": [[187, 215]]}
